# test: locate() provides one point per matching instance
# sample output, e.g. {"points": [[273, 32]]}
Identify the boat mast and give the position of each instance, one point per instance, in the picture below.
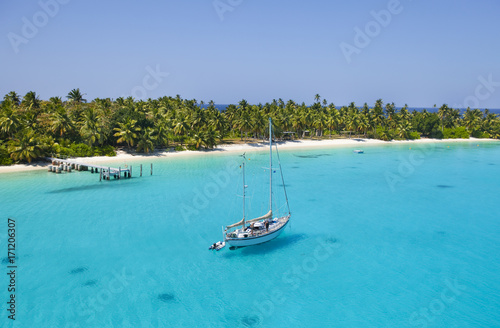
{"points": [[270, 165], [283, 180], [243, 189]]}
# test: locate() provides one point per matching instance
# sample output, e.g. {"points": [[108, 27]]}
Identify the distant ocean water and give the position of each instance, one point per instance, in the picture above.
{"points": [[434, 110], [394, 237], [223, 107]]}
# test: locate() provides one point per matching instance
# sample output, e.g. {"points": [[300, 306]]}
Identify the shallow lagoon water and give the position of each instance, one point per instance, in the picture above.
{"points": [[394, 237]]}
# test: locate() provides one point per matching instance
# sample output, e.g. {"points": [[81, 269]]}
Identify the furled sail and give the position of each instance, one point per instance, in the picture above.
{"points": [[266, 216], [236, 224]]}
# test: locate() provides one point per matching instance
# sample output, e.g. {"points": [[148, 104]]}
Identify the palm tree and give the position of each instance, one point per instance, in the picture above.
{"points": [[384, 134], [197, 140], [162, 130], [454, 117], [91, 129], [425, 113], [317, 97], [9, 122], [209, 137], [25, 148], [390, 110], [146, 141], [120, 101], [319, 123], [469, 120], [488, 121], [364, 123], [352, 121], [31, 100], [60, 123], [243, 104], [258, 122], [443, 113], [13, 98], [306, 118], [127, 132], [285, 121], [331, 123], [404, 129], [197, 119], [244, 123], [495, 129], [404, 113], [55, 101], [181, 128], [217, 122], [378, 115], [281, 103], [76, 96]]}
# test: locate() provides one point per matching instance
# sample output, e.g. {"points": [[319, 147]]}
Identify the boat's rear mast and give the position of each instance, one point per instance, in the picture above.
{"points": [[270, 165]]}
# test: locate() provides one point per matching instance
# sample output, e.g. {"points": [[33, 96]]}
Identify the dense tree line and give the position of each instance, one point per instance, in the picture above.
{"points": [[32, 128]]}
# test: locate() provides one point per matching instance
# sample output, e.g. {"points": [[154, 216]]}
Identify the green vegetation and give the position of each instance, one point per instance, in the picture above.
{"points": [[456, 133], [31, 128], [4, 156], [82, 150]]}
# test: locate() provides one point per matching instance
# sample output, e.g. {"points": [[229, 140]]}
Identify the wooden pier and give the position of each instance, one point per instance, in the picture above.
{"points": [[105, 172]]}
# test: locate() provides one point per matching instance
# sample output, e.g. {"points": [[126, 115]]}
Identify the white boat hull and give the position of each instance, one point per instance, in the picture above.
{"points": [[255, 240]]}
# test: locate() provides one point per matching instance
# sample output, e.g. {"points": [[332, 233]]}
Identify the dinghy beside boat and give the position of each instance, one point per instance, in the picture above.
{"points": [[217, 246]]}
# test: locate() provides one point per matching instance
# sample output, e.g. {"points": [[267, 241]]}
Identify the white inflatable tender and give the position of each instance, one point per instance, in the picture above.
{"points": [[217, 246]]}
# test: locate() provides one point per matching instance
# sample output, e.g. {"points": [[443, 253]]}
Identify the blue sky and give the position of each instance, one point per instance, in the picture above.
{"points": [[423, 53]]}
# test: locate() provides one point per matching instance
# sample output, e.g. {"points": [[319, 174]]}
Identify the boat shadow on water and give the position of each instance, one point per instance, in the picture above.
{"points": [[104, 185], [286, 240]]}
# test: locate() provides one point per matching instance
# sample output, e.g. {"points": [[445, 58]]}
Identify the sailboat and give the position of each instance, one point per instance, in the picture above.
{"points": [[264, 228]]}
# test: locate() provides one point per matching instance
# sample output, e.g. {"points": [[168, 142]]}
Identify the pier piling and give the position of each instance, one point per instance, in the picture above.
{"points": [[60, 166]]}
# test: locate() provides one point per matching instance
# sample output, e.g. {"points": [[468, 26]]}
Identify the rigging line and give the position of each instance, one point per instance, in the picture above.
{"points": [[282, 180]]}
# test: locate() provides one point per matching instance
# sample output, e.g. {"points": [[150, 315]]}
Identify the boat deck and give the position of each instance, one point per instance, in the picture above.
{"points": [[261, 232]]}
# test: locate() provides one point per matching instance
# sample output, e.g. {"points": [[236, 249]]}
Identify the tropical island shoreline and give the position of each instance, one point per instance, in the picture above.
{"points": [[302, 144]]}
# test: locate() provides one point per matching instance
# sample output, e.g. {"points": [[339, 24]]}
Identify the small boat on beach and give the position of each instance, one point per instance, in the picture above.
{"points": [[264, 228]]}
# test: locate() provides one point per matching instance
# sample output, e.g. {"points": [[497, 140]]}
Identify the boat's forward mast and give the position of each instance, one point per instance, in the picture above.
{"points": [[270, 165], [244, 187]]}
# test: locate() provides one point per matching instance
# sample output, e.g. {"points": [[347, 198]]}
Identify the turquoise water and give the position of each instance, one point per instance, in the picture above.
{"points": [[394, 237]]}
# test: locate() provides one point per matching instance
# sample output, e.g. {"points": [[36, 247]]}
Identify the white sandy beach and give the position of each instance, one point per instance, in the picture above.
{"points": [[124, 157]]}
